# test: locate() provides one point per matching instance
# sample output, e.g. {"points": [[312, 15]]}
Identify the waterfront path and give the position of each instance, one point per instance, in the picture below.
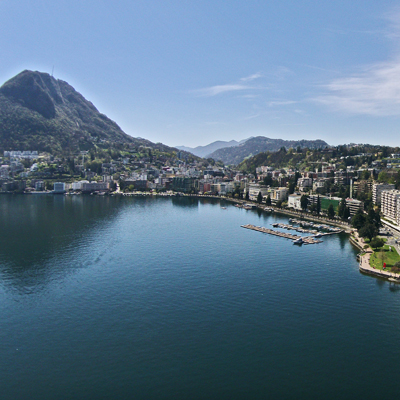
{"points": [[364, 264]]}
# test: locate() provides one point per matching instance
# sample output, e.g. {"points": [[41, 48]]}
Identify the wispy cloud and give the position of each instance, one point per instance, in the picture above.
{"points": [[252, 77], [373, 91], [219, 89], [280, 103], [241, 85]]}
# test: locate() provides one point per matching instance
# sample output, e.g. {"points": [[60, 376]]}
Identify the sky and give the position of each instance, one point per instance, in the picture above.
{"points": [[193, 72]]}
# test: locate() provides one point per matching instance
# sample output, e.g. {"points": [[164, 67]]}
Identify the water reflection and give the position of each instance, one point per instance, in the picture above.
{"points": [[185, 201], [35, 229]]}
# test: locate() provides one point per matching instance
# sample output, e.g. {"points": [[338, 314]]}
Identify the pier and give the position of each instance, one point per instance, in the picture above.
{"points": [[306, 239]]}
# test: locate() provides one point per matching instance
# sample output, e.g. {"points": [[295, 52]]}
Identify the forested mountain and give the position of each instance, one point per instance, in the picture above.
{"points": [[205, 151], [39, 112], [259, 144]]}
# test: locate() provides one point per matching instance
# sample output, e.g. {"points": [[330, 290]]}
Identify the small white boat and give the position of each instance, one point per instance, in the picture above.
{"points": [[298, 241]]}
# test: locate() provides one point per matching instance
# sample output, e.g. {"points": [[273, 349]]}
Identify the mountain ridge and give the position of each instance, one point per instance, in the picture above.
{"points": [[40, 112], [206, 150], [259, 144]]}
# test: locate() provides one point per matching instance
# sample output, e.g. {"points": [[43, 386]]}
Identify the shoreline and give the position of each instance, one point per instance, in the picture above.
{"points": [[354, 239]]}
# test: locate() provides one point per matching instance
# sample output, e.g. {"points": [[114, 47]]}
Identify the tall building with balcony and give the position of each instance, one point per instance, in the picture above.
{"points": [[389, 204], [377, 190]]}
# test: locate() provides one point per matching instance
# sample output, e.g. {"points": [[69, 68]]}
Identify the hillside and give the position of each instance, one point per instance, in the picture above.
{"points": [[39, 112], [235, 155]]}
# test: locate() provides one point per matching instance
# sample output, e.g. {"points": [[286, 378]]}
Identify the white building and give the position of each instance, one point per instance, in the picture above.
{"points": [[255, 189], [294, 201], [280, 193], [389, 204], [78, 185], [377, 190]]}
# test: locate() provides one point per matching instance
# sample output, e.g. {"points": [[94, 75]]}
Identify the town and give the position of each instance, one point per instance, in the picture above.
{"points": [[342, 182]]}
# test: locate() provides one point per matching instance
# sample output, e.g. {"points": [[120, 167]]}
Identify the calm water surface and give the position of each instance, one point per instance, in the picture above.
{"points": [[143, 298]]}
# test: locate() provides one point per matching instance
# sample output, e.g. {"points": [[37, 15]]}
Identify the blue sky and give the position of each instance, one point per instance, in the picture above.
{"points": [[192, 72]]}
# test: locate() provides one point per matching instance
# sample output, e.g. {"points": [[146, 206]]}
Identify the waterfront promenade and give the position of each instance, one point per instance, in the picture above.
{"points": [[364, 264]]}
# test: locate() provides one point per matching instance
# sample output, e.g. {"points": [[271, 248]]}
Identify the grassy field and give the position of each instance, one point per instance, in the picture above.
{"points": [[384, 256]]}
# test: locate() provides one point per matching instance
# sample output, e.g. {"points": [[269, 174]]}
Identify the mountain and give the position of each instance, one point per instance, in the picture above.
{"points": [[205, 151], [235, 155], [39, 112]]}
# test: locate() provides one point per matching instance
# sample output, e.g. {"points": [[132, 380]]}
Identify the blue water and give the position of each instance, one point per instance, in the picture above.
{"points": [[171, 299]]}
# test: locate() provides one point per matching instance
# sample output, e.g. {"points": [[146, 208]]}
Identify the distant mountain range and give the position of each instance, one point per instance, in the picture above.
{"points": [[39, 112], [205, 151], [236, 154]]}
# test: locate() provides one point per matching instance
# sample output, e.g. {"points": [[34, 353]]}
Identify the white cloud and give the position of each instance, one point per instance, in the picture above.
{"points": [[252, 77], [373, 91], [241, 85], [218, 89], [280, 103]]}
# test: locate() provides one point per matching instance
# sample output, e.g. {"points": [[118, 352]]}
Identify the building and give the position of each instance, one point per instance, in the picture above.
{"points": [[319, 185], [294, 201], [95, 186], [304, 183], [185, 185], [377, 190], [255, 189], [389, 204], [278, 194], [39, 186], [4, 171], [78, 185], [354, 205], [362, 186], [59, 187]]}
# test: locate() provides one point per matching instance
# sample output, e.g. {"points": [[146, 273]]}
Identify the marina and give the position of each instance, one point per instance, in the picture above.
{"points": [[305, 240], [297, 239]]}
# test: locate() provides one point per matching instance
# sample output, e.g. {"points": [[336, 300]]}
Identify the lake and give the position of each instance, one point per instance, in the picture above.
{"points": [[169, 298]]}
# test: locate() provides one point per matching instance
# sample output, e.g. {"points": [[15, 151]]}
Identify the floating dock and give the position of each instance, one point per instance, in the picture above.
{"points": [[306, 239]]}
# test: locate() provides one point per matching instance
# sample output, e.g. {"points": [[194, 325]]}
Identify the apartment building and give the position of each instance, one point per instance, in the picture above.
{"points": [[377, 190], [389, 204]]}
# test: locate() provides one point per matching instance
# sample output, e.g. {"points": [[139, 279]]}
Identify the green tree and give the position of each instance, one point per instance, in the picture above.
{"points": [[331, 211], [268, 200], [374, 218], [268, 180], [376, 242], [383, 177], [342, 208], [358, 220], [292, 186], [279, 203], [318, 208], [247, 196], [369, 231], [346, 214], [304, 202], [259, 198]]}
